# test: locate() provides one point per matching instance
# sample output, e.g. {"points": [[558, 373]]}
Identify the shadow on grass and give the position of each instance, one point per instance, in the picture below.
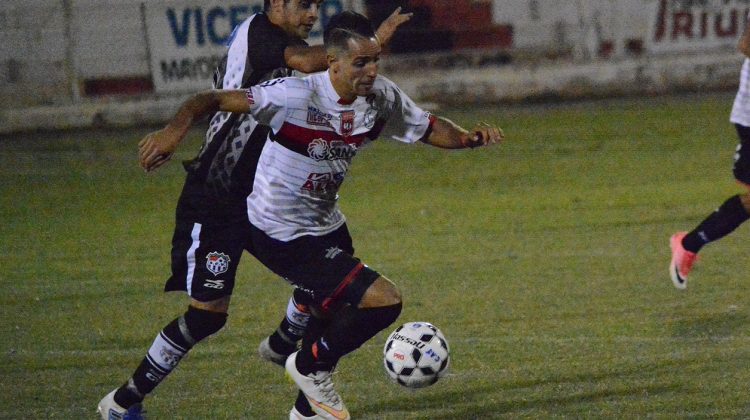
{"points": [[485, 400], [712, 326]]}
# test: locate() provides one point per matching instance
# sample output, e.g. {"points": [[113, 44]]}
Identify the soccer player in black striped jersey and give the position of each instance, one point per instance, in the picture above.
{"points": [[212, 212], [736, 209], [319, 123]]}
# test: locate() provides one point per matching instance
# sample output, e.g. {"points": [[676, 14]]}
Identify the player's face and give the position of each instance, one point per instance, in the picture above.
{"points": [[357, 68], [300, 16]]}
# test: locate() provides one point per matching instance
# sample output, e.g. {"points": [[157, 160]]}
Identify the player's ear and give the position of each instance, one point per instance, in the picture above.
{"points": [[332, 60]]}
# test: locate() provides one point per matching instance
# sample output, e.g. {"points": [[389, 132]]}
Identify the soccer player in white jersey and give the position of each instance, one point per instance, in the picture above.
{"points": [[318, 124], [206, 247], [735, 210]]}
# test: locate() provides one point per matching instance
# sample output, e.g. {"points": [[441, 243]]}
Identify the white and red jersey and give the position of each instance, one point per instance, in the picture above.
{"points": [[741, 108], [314, 138]]}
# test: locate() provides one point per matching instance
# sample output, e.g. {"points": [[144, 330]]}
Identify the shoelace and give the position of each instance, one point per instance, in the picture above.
{"points": [[325, 385]]}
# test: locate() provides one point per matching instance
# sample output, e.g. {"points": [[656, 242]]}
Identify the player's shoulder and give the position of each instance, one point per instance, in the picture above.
{"points": [[385, 90], [383, 83], [292, 86]]}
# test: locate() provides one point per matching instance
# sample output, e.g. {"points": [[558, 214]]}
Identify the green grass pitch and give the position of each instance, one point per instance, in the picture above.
{"points": [[543, 260]]}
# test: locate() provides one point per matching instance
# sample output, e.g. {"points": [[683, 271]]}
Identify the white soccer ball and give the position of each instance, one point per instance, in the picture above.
{"points": [[416, 355]]}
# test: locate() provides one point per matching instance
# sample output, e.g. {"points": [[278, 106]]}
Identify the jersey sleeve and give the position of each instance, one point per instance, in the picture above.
{"points": [[268, 102], [404, 121]]}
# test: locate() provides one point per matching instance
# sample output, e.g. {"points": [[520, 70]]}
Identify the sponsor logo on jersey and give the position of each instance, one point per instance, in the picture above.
{"points": [[323, 182], [217, 263], [214, 284], [320, 149], [249, 95], [347, 123], [318, 117]]}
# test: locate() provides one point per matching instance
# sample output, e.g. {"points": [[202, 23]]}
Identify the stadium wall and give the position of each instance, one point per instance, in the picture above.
{"points": [[78, 63]]}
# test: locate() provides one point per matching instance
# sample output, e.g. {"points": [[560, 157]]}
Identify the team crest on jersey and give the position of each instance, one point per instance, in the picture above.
{"points": [[217, 263], [347, 123]]}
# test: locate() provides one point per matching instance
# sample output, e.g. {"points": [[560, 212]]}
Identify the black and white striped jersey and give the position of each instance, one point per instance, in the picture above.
{"points": [[314, 138], [741, 108], [225, 165]]}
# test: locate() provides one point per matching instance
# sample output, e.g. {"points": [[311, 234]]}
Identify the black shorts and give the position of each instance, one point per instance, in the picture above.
{"points": [[741, 167], [207, 244], [322, 266], [206, 252]]}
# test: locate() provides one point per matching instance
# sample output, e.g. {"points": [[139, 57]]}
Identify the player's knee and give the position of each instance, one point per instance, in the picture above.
{"points": [[201, 323], [382, 292], [745, 199]]}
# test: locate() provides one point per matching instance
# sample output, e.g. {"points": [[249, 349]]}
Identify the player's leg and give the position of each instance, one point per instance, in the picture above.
{"points": [[326, 268], [361, 317], [284, 341], [204, 263], [723, 221], [356, 318]]}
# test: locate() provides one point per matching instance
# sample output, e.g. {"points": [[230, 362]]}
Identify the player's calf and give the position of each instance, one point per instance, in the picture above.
{"points": [[168, 348], [284, 341], [353, 325]]}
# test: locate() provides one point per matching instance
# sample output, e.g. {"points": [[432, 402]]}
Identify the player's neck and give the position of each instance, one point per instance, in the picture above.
{"points": [[346, 95]]}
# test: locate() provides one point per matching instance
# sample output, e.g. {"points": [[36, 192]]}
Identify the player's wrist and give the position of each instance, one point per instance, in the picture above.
{"points": [[470, 140]]}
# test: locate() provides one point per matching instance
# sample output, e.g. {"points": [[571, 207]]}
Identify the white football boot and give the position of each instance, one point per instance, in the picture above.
{"points": [[108, 409], [319, 391]]}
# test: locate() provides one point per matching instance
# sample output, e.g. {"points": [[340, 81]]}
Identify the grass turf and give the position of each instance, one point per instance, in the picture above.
{"points": [[543, 261]]}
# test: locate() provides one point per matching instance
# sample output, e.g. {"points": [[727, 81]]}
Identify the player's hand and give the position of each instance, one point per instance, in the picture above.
{"points": [[156, 149], [483, 135], [390, 24]]}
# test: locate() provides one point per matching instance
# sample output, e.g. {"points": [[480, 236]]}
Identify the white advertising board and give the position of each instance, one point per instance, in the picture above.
{"points": [[690, 25], [187, 38]]}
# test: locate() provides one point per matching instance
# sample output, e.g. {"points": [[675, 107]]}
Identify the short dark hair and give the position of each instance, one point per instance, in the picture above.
{"points": [[345, 26], [267, 4]]}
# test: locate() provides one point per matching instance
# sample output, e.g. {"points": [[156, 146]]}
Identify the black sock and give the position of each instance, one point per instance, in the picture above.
{"points": [[349, 329], [294, 325], [303, 406], [149, 374], [719, 224]]}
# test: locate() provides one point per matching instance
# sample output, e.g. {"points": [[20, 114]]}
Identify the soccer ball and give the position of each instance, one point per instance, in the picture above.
{"points": [[416, 355]]}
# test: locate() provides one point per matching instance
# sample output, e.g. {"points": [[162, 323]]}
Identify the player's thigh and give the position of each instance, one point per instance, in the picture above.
{"points": [[205, 260], [741, 166], [382, 292], [323, 266]]}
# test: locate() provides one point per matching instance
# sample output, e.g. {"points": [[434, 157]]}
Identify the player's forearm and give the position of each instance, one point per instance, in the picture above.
{"points": [[448, 135], [306, 59], [206, 103]]}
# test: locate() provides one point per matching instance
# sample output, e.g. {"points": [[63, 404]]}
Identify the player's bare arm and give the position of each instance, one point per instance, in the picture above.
{"points": [[390, 24], [313, 59], [744, 43], [448, 135], [156, 148]]}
